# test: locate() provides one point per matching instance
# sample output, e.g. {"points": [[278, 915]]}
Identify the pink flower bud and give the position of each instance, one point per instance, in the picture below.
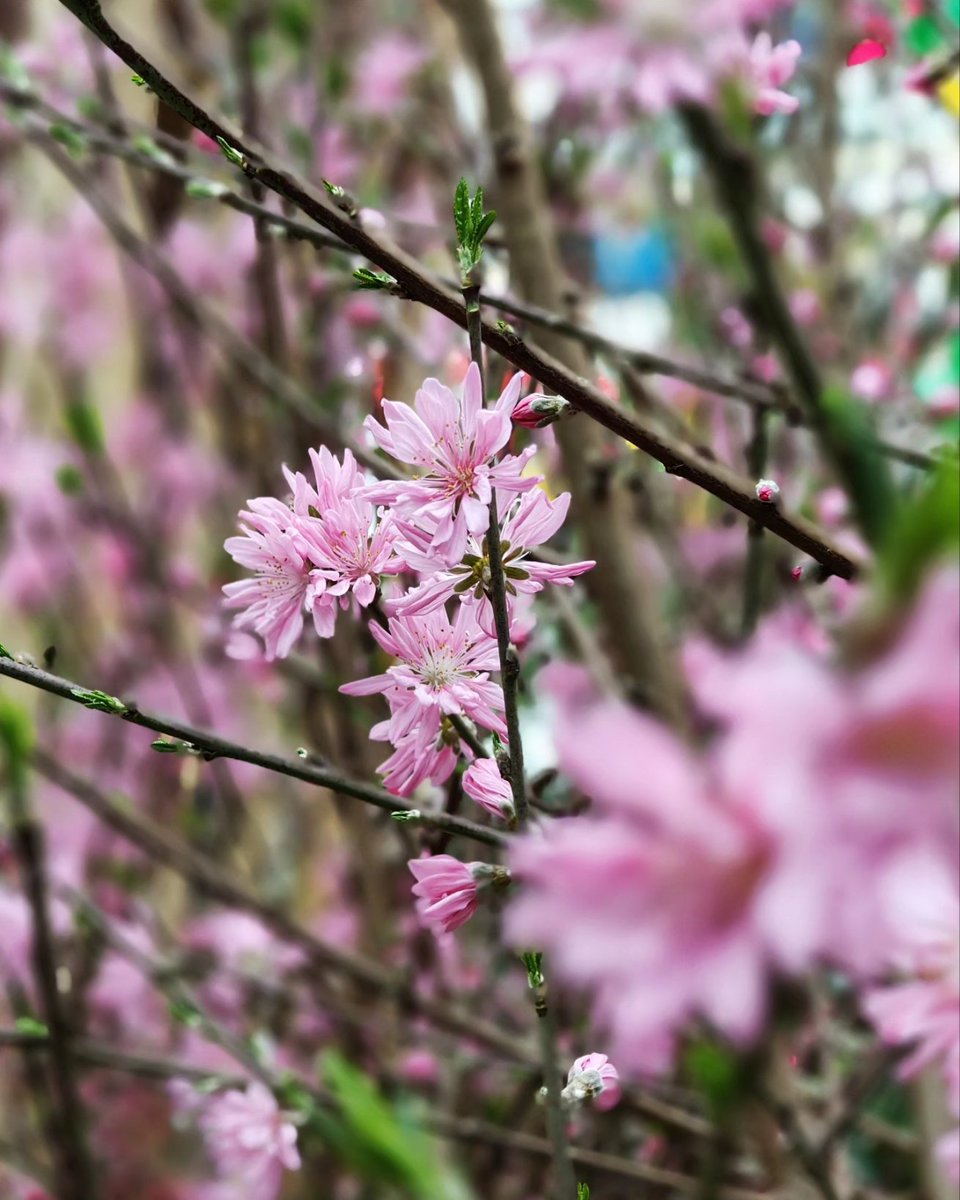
{"points": [[767, 491], [483, 782], [536, 410], [446, 889]]}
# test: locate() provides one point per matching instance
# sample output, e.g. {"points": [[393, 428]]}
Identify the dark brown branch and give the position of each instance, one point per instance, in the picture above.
{"points": [[209, 746], [416, 285]]}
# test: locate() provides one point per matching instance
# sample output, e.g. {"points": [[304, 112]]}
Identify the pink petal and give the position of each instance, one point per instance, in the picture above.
{"points": [[866, 51]]}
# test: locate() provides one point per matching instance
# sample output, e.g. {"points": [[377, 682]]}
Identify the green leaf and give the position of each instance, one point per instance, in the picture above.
{"points": [[31, 1026], [373, 281], [718, 1075], [85, 427], [185, 1012], [68, 137], [138, 81], [165, 746], [926, 531], [484, 225], [379, 1140], [4, 652], [583, 1191], [533, 961], [99, 701], [206, 189], [865, 473], [231, 154], [461, 211], [16, 740], [69, 480]]}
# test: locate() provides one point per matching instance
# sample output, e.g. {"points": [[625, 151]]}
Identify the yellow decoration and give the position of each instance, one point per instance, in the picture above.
{"points": [[949, 93]]}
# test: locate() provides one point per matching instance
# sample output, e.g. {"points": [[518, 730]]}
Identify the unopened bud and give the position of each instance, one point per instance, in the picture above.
{"points": [[767, 491], [536, 410]]}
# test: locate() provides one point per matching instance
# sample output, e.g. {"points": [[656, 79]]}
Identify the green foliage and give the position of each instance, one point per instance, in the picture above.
{"points": [[926, 530], [16, 741], [379, 1139], [864, 471], [231, 154], [472, 226], [84, 426], [583, 1191], [71, 139], [69, 480], [719, 1074], [31, 1026], [533, 961], [185, 1012], [4, 652], [99, 701], [373, 281]]}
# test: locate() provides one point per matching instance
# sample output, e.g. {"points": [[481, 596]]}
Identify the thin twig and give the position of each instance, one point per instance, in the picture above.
{"points": [[210, 746], [209, 878]]}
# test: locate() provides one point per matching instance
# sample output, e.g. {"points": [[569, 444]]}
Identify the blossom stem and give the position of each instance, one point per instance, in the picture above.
{"points": [[753, 573], [564, 1182], [509, 667]]}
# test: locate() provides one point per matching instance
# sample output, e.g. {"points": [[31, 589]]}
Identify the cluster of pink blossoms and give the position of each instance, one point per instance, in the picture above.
{"points": [[421, 542]]}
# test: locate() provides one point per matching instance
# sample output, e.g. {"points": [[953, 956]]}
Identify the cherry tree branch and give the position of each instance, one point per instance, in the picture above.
{"points": [[415, 284], [210, 746]]}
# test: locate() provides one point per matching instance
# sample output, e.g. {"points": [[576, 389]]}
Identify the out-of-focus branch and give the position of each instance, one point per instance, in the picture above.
{"points": [[73, 1168], [209, 746], [601, 506], [416, 285], [212, 880]]}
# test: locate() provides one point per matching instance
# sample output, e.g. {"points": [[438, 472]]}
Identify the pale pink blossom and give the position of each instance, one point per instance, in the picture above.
{"points": [[872, 380], [382, 74], [770, 67], [452, 443], [286, 583], [446, 890], [483, 782], [593, 1077], [526, 521], [250, 1140], [441, 667], [767, 490]]}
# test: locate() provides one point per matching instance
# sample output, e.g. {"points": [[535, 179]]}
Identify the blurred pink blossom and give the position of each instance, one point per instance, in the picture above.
{"points": [[250, 1140]]}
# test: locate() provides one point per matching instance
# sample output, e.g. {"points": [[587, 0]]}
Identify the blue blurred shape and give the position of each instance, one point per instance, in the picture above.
{"points": [[635, 261]]}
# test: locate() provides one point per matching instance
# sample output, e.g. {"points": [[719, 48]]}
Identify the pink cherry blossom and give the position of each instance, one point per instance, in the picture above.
{"points": [[250, 1140], [767, 490], [871, 380], [537, 411], [442, 668], [593, 1077], [446, 890], [286, 582], [451, 442], [526, 522], [770, 68], [483, 782]]}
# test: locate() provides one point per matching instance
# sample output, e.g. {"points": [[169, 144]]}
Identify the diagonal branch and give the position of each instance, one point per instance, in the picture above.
{"points": [[415, 284], [210, 745]]}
